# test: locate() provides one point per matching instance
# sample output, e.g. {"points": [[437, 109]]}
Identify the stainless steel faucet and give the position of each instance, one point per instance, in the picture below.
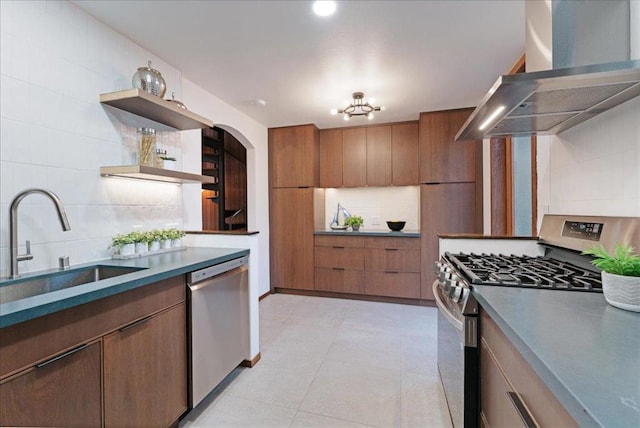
{"points": [[13, 226]]}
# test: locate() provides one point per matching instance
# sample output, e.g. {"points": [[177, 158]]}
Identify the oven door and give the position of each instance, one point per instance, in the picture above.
{"points": [[458, 361]]}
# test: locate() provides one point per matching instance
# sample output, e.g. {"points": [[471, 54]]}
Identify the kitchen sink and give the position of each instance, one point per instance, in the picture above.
{"points": [[20, 289]]}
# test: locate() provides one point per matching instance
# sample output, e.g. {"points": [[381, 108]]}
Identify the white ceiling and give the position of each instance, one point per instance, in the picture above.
{"points": [[412, 56]]}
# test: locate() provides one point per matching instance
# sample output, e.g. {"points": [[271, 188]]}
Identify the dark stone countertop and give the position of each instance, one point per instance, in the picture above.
{"points": [[586, 351], [157, 267], [370, 232]]}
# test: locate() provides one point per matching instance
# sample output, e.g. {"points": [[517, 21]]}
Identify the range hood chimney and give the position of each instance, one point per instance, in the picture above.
{"points": [[589, 50]]}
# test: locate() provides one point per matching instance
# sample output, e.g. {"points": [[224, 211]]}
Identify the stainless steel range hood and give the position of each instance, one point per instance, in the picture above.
{"points": [[551, 101]]}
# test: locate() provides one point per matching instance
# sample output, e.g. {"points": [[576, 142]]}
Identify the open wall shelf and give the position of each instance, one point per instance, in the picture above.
{"points": [[141, 172]]}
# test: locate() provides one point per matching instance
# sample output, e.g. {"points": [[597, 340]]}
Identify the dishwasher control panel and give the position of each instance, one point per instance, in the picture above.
{"points": [[208, 272]]}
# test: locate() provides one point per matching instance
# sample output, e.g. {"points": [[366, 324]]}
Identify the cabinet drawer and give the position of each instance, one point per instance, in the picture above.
{"points": [[339, 280], [407, 243], [339, 257], [542, 404], [392, 259], [392, 284], [21, 344], [338, 241]]}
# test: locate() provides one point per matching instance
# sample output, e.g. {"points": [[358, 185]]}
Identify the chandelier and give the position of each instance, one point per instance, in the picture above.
{"points": [[358, 107]]}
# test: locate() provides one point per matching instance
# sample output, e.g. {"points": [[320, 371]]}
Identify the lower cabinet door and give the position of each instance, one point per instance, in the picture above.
{"points": [[64, 390], [339, 280], [392, 284], [145, 371]]}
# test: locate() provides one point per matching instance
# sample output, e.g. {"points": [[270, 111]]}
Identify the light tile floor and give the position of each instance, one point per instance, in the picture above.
{"points": [[333, 363]]}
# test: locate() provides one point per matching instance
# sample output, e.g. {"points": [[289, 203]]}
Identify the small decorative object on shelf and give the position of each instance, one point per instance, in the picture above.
{"points": [[149, 80], [620, 275], [354, 221], [396, 225], [147, 146], [341, 214], [176, 102], [140, 244]]}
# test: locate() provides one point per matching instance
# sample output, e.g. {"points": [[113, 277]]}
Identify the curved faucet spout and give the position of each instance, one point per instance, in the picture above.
{"points": [[13, 224]]}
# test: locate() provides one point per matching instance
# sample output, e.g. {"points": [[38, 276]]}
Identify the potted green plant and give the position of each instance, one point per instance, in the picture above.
{"points": [[154, 240], [176, 237], [165, 240], [141, 241], [620, 275], [123, 245], [168, 162], [355, 221]]}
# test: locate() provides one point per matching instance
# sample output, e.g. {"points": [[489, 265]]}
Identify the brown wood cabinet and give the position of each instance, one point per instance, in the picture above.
{"points": [[354, 157], [53, 371], [293, 220], [339, 264], [405, 154], [444, 208], [146, 359], [64, 390], [379, 156], [509, 387], [294, 157], [442, 159], [331, 147]]}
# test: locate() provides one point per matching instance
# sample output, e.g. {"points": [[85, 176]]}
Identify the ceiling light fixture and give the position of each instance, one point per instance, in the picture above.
{"points": [[359, 107], [324, 8]]}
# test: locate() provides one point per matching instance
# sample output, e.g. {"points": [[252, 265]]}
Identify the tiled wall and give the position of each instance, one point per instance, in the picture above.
{"points": [[55, 61], [386, 203], [594, 168]]}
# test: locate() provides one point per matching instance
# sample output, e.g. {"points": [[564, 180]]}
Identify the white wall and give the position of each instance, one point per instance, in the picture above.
{"points": [[593, 168], [54, 62], [386, 203]]}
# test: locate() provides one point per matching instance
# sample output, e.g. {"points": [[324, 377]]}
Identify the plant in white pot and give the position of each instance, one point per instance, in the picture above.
{"points": [[176, 237], [154, 240], [142, 242], [165, 239], [620, 275], [123, 245]]}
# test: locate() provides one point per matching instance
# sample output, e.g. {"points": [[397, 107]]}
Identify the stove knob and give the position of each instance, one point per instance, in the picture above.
{"points": [[456, 293]]}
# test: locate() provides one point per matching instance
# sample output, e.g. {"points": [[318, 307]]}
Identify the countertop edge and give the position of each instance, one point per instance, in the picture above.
{"points": [[120, 285], [373, 233], [481, 236], [572, 404], [223, 232]]}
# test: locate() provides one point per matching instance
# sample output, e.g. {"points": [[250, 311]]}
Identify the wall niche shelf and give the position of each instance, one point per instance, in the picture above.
{"points": [[155, 108], [140, 172]]}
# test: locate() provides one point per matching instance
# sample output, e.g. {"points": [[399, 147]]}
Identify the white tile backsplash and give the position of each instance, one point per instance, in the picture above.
{"points": [[387, 203], [55, 60]]}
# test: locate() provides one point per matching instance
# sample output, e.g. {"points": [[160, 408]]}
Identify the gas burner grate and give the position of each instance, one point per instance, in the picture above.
{"points": [[525, 272]]}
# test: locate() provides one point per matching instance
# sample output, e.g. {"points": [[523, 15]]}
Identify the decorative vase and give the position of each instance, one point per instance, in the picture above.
{"points": [[142, 247], [149, 80], [154, 245], [176, 243], [355, 228], [621, 291], [165, 244], [127, 250]]}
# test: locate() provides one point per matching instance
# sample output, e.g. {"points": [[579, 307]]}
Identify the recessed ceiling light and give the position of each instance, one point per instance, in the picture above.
{"points": [[324, 8]]}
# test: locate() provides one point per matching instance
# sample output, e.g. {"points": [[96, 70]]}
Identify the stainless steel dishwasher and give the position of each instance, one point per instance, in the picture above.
{"points": [[218, 323]]}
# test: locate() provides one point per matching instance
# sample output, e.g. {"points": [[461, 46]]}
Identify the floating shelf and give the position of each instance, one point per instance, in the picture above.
{"points": [[149, 106], [141, 172]]}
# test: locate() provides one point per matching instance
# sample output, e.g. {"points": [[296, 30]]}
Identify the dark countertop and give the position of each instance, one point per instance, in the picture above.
{"points": [[370, 232], [586, 351], [158, 267], [481, 236], [222, 232]]}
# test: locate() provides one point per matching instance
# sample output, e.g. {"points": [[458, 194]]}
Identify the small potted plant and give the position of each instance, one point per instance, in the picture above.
{"points": [[355, 221], [168, 162], [165, 240], [141, 241], [154, 240], [176, 237], [123, 245], [620, 275]]}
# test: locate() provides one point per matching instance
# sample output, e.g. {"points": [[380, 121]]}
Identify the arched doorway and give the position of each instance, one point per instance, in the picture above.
{"points": [[224, 204]]}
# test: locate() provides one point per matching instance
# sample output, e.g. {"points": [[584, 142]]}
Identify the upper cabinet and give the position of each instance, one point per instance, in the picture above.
{"points": [[442, 159], [405, 154], [379, 156], [331, 146], [149, 106], [354, 157], [294, 156]]}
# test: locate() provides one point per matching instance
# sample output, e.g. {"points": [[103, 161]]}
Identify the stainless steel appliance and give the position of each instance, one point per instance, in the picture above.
{"points": [[561, 268], [219, 324]]}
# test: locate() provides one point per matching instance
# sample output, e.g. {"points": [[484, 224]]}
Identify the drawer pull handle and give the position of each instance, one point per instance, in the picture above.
{"points": [[391, 271], [338, 268], [338, 247], [524, 414], [392, 249], [61, 356], [135, 324]]}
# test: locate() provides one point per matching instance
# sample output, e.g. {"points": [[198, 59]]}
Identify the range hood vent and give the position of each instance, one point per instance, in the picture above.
{"points": [[552, 101]]}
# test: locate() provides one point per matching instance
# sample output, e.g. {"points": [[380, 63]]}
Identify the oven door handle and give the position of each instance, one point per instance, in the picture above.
{"points": [[448, 315]]}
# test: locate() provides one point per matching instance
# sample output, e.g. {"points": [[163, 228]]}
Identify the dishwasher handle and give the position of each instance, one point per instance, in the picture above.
{"points": [[215, 270]]}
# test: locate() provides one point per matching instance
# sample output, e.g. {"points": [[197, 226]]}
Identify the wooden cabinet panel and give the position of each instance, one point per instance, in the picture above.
{"points": [[541, 403], [145, 371], [354, 161], [331, 158], [392, 259], [444, 208], [379, 156], [339, 280], [391, 242], [294, 156], [443, 160], [392, 284], [66, 392], [340, 241], [339, 257], [292, 225], [405, 154]]}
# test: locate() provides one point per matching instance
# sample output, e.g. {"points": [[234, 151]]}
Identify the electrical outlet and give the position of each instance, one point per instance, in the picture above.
{"points": [[375, 220]]}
